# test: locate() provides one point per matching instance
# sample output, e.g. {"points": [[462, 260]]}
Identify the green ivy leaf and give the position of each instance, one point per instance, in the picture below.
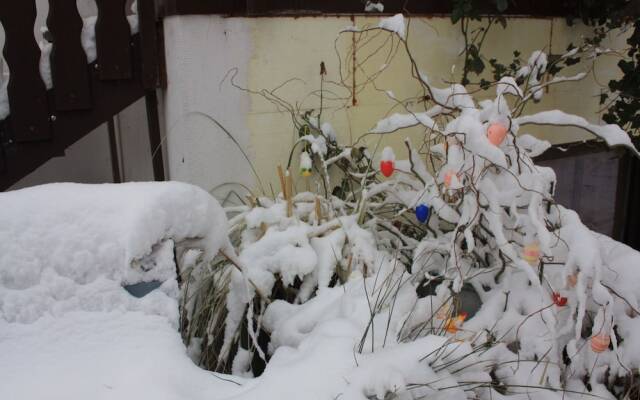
{"points": [[502, 21], [502, 5]]}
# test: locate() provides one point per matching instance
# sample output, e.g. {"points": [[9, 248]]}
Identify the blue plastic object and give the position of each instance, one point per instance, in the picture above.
{"points": [[422, 213], [142, 289]]}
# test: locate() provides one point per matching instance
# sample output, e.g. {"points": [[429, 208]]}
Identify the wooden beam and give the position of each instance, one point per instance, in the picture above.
{"points": [[539, 8]]}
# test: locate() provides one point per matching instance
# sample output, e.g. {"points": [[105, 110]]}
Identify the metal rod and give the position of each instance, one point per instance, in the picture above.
{"points": [[155, 139], [113, 149]]}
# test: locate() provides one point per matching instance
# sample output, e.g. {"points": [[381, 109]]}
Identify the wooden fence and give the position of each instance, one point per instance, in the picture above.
{"points": [[43, 123]]}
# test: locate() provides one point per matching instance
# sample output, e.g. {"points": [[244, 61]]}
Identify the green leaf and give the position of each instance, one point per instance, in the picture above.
{"points": [[502, 5], [503, 21], [456, 15]]}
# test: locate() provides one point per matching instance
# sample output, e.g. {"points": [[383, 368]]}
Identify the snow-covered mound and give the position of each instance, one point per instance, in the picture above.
{"points": [[68, 328], [70, 247]]}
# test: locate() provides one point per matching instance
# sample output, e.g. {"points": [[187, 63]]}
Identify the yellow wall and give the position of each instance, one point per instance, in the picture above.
{"points": [[285, 48]]}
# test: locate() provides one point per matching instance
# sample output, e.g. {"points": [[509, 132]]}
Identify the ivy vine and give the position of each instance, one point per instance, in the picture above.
{"points": [[621, 102]]}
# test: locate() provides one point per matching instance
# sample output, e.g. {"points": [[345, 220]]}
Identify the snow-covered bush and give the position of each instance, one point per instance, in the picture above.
{"points": [[447, 271]]}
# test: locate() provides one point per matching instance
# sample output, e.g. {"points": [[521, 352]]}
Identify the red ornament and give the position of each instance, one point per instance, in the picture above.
{"points": [[387, 167], [558, 300]]}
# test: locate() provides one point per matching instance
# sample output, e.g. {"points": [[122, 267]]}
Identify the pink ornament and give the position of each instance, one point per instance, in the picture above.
{"points": [[600, 342], [496, 133], [448, 177]]}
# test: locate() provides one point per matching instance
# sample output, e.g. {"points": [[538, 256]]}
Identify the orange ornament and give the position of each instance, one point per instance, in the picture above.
{"points": [[453, 324], [496, 133], [572, 280], [600, 342]]}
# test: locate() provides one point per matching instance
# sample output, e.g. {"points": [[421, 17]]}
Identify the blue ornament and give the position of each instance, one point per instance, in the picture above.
{"points": [[422, 213]]}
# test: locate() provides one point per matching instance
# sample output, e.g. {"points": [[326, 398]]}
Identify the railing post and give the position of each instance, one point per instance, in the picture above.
{"points": [[148, 44], [27, 92], [68, 60], [113, 40]]}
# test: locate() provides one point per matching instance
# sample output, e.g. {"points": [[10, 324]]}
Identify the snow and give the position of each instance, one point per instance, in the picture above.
{"points": [[373, 6], [612, 134], [532, 145], [328, 131], [388, 154], [112, 355], [401, 121], [536, 65], [305, 161], [4, 98], [508, 85], [70, 247], [68, 328], [394, 24]]}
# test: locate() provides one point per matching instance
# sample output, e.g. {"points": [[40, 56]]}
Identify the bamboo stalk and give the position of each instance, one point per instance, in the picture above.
{"points": [[289, 186], [252, 201], [318, 210], [283, 187]]}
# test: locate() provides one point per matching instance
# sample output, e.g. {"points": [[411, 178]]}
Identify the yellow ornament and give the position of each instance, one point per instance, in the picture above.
{"points": [[531, 254], [305, 164]]}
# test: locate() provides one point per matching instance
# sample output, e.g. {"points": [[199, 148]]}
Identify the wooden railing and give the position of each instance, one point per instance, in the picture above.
{"points": [[43, 123]]}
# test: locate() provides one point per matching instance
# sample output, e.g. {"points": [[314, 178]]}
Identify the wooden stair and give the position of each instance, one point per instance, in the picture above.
{"points": [[43, 123]]}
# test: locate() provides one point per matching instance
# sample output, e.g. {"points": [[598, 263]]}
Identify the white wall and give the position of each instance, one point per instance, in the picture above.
{"points": [[202, 50]]}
